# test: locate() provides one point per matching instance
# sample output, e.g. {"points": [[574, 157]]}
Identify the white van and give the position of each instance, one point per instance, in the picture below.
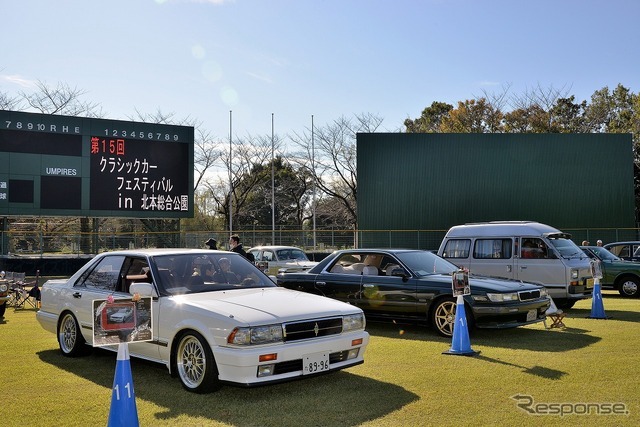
{"points": [[522, 250]]}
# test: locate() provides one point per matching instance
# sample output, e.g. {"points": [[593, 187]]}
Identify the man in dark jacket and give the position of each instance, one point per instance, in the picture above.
{"points": [[236, 246]]}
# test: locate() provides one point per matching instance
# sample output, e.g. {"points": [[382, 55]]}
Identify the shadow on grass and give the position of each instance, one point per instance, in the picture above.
{"points": [[339, 398], [539, 371], [558, 340]]}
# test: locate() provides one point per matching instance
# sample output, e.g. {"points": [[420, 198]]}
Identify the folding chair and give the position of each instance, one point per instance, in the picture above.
{"points": [[556, 315], [22, 296]]}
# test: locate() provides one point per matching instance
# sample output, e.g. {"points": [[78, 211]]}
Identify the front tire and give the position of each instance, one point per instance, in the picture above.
{"points": [[629, 287], [195, 364], [443, 316], [70, 338]]}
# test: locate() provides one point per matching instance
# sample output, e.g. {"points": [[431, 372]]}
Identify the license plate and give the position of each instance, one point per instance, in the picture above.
{"points": [[590, 283], [532, 315], [316, 362]]}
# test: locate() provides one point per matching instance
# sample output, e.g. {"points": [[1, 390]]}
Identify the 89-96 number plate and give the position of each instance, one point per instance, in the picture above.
{"points": [[314, 363]]}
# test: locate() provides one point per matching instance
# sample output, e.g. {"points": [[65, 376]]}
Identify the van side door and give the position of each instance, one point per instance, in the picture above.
{"points": [[493, 256]]}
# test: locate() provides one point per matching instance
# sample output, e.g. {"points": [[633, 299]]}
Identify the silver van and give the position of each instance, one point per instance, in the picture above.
{"points": [[522, 250]]}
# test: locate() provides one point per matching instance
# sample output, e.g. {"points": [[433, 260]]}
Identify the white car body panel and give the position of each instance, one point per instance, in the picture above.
{"points": [[214, 315]]}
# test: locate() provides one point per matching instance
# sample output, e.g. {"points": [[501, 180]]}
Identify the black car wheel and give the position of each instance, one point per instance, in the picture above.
{"points": [[70, 338], [443, 316], [629, 287], [195, 364]]}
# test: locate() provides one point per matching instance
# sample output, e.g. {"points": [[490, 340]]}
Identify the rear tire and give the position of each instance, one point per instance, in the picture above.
{"points": [[195, 364], [70, 338]]}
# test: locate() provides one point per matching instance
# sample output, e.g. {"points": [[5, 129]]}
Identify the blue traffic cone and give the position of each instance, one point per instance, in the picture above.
{"points": [[597, 306], [123, 412], [460, 344]]}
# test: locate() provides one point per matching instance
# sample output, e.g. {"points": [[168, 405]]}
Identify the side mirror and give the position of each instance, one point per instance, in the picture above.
{"points": [[143, 289], [399, 272]]}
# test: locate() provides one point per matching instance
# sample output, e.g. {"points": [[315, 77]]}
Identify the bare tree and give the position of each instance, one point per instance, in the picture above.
{"points": [[330, 156], [8, 102], [239, 160], [62, 99]]}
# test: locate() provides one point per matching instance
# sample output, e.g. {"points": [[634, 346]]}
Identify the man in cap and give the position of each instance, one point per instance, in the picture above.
{"points": [[212, 243]]}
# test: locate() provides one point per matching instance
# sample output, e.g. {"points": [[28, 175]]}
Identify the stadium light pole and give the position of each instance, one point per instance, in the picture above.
{"points": [[230, 176], [273, 191], [313, 172]]}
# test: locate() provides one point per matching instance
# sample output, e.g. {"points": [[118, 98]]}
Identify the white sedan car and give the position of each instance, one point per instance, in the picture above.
{"points": [[272, 259], [210, 325]]}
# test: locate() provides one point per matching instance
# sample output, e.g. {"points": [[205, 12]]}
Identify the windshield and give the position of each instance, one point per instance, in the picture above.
{"points": [[203, 272], [424, 263], [291, 254], [566, 248], [604, 254]]}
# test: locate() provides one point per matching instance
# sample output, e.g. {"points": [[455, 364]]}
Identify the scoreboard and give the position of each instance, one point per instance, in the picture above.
{"points": [[53, 165]]}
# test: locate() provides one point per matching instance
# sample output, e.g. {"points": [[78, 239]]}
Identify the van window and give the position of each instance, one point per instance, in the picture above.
{"points": [[492, 249], [457, 248]]}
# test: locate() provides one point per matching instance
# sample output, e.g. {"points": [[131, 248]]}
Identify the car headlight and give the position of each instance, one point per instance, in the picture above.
{"points": [[3, 288], [353, 322], [256, 335], [512, 296], [544, 292]]}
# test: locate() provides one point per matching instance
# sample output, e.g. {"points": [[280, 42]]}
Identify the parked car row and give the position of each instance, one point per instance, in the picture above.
{"points": [[218, 318]]}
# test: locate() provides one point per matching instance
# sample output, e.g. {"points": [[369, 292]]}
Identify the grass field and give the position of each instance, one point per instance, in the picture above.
{"points": [[405, 380]]}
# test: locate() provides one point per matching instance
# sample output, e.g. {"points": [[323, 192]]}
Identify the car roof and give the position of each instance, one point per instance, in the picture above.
{"points": [[258, 248], [630, 242], [501, 228], [164, 251]]}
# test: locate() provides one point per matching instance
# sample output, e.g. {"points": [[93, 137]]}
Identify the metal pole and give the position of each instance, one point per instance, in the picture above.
{"points": [[230, 176], [273, 190], [313, 171]]}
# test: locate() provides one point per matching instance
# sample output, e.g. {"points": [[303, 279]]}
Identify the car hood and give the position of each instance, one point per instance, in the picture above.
{"points": [[489, 284], [266, 305]]}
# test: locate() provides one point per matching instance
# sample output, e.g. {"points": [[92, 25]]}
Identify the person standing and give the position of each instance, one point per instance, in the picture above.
{"points": [[212, 243], [236, 246]]}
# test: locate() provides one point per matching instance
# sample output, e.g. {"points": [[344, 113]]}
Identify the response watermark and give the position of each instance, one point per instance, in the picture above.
{"points": [[527, 404]]}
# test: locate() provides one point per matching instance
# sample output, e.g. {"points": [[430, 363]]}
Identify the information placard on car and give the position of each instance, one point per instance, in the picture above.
{"points": [[121, 320]]}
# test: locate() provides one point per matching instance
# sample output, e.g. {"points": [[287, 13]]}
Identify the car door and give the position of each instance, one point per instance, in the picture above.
{"points": [[340, 280], [137, 266], [540, 265], [387, 292], [493, 256], [97, 283]]}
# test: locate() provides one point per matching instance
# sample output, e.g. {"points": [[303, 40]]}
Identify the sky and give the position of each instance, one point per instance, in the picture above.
{"points": [[293, 59]]}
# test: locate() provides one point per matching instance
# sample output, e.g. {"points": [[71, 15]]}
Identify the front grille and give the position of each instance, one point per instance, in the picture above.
{"points": [[307, 329], [529, 295]]}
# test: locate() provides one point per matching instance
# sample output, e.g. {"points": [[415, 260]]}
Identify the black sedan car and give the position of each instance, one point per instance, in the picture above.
{"points": [[399, 284]]}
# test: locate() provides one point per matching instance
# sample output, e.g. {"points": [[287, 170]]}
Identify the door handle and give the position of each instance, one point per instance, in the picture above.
{"points": [[368, 285], [321, 283], [523, 267]]}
